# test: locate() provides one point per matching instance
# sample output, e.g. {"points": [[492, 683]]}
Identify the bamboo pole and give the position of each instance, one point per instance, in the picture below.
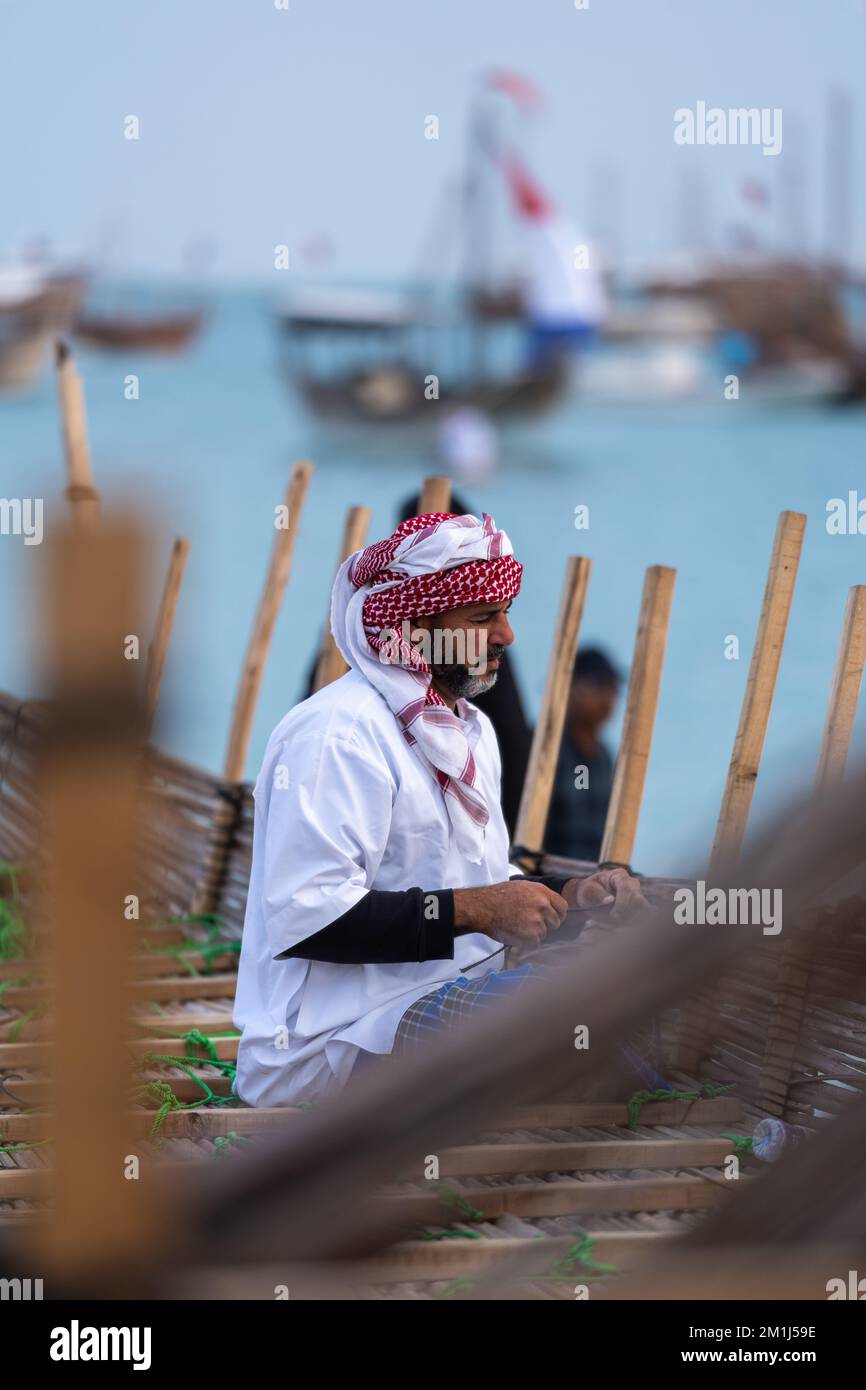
{"points": [[80, 492], [331, 664], [699, 1018], [228, 807], [844, 691], [640, 712], [89, 778], [164, 622], [263, 626], [760, 688], [435, 495], [544, 754]]}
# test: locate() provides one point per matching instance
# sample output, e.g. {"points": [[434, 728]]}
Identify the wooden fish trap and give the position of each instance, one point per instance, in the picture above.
{"points": [[548, 1176]]}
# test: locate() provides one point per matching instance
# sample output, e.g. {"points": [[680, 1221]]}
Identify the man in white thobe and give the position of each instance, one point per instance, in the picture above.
{"points": [[380, 873]]}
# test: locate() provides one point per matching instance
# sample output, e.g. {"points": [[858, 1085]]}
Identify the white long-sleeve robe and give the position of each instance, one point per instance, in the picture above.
{"points": [[344, 805]]}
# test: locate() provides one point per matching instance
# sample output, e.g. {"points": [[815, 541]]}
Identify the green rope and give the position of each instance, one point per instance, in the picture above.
{"points": [[209, 950], [637, 1101], [711, 1091], [450, 1197], [16, 938], [166, 1059], [213, 946], [193, 1038], [12, 1148], [8, 984], [742, 1143], [16, 941], [224, 1143], [707, 1091], [17, 1028], [577, 1259], [161, 1092]]}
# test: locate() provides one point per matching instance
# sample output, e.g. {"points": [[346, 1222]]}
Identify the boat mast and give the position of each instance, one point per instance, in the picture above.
{"points": [[477, 223], [837, 204]]}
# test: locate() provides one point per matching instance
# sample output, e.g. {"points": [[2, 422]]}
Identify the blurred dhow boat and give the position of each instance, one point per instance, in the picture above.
{"points": [[649, 372], [787, 328], [498, 343], [143, 333], [35, 306]]}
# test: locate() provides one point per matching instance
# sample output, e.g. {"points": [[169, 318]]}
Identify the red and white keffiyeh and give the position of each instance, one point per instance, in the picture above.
{"points": [[431, 564]]}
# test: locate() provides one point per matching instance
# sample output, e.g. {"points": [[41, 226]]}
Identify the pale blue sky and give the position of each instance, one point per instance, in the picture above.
{"points": [[260, 125]]}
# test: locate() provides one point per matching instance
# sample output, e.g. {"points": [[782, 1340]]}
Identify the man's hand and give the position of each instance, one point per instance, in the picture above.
{"points": [[517, 913], [616, 888]]}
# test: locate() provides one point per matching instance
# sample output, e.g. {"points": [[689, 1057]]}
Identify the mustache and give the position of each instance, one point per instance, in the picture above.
{"points": [[493, 653]]}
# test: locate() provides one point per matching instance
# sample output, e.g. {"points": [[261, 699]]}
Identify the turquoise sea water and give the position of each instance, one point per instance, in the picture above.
{"points": [[209, 446]]}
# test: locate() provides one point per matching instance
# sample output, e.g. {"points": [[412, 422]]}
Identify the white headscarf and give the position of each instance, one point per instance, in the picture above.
{"points": [[412, 573]]}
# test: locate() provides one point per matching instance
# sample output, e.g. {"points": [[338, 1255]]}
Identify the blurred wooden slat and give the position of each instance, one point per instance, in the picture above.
{"points": [[331, 665], [80, 492], [699, 1022], [760, 689], [277, 578], [435, 495], [844, 690], [164, 623], [640, 713], [544, 754], [89, 778]]}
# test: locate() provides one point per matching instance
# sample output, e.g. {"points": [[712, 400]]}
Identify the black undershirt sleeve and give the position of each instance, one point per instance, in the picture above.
{"points": [[385, 929], [391, 928]]}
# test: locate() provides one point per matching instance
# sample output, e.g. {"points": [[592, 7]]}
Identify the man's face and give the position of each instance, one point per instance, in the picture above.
{"points": [[466, 644], [592, 700]]}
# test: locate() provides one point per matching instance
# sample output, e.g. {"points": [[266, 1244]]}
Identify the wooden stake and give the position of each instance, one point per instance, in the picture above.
{"points": [[164, 622], [89, 778], [331, 665], [699, 1019], [544, 754], [760, 688], [640, 713], [435, 496], [263, 627], [844, 691], [80, 491]]}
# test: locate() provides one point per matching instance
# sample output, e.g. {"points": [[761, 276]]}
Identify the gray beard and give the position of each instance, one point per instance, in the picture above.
{"points": [[478, 685], [461, 683]]}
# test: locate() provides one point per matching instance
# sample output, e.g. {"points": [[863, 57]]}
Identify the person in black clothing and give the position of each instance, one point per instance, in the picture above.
{"points": [[584, 772]]}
